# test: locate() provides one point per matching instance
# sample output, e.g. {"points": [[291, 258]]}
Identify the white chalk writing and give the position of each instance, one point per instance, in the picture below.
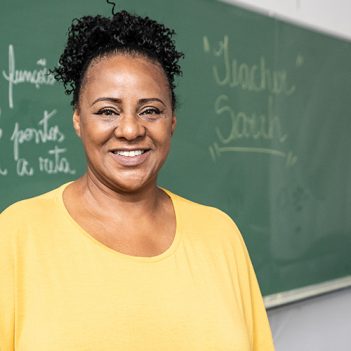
{"points": [[256, 77], [36, 77], [266, 125], [23, 168], [56, 163], [43, 134], [255, 128]]}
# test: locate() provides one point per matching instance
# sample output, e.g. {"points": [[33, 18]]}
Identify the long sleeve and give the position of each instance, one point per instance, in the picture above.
{"points": [[255, 310], [262, 336], [7, 285]]}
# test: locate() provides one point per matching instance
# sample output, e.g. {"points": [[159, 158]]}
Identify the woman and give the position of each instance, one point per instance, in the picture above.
{"points": [[111, 261]]}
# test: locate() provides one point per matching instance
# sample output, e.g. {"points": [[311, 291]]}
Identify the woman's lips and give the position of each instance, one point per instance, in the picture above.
{"points": [[130, 158]]}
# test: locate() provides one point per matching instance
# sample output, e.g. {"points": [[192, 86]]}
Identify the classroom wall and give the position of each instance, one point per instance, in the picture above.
{"points": [[322, 323], [319, 324], [331, 16]]}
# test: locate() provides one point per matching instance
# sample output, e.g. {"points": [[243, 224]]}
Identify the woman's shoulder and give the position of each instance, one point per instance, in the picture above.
{"points": [[210, 228], [31, 208], [202, 217]]}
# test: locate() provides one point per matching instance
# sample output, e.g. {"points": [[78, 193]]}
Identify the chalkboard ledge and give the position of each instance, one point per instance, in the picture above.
{"points": [[299, 294]]}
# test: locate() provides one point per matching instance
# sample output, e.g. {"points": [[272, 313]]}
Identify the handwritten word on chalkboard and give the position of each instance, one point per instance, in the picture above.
{"points": [[37, 77], [248, 131]]}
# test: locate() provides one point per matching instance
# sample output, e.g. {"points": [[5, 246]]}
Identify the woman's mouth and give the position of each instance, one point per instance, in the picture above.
{"points": [[130, 158], [131, 153]]}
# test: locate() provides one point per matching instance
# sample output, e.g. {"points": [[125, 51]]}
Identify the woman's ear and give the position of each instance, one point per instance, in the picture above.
{"points": [[174, 123], [76, 122]]}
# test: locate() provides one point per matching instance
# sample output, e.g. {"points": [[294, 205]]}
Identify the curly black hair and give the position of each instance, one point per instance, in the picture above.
{"points": [[91, 37]]}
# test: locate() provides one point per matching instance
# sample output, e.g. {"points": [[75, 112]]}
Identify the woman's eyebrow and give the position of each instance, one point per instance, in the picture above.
{"points": [[145, 101], [119, 101], [105, 98]]}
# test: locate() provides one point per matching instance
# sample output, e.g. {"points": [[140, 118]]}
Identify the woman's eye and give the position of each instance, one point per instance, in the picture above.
{"points": [[150, 113], [107, 112]]}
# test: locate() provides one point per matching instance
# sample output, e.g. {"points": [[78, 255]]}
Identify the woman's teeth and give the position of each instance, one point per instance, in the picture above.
{"points": [[129, 153]]}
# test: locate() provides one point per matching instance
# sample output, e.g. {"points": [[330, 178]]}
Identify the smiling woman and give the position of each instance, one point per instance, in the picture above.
{"points": [[147, 269], [125, 120]]}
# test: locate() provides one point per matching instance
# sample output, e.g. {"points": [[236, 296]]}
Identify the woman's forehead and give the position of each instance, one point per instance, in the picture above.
{"points": [[124, 61], [125, 72]]}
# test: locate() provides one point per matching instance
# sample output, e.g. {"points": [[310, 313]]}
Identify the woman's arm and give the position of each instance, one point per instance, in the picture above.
{"points": [[7, 283]]}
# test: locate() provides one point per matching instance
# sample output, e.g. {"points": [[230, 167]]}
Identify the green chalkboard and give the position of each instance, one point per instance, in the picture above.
{"points": [[263, 130]]}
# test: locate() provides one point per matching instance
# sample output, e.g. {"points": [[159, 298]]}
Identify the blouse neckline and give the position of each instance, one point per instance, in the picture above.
{"points": [[101, 246]]}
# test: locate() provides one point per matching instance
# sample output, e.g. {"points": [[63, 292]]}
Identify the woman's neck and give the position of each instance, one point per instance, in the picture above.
{"points": [[103, 198]]}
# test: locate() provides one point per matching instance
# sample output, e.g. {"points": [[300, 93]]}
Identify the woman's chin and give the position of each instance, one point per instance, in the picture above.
{"points": [[124, 180], [131, 185]]}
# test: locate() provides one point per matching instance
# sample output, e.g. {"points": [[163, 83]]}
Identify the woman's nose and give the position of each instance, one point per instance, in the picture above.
{"points": [[129, 127]]}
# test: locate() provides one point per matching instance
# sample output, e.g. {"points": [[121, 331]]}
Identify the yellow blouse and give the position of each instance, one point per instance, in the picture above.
{"points": [[62, 290]]}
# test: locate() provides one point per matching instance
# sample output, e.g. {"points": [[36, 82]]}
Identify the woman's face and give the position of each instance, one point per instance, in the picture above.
{"points": [[125, 121]]}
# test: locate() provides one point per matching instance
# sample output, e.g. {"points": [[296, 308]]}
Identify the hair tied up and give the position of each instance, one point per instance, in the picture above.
{"points": [[113, 7]]}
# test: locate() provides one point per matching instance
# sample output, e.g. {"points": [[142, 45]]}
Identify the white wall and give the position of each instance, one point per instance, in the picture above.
{"points": [[319, 324], [322, 323], [332, 16]]}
